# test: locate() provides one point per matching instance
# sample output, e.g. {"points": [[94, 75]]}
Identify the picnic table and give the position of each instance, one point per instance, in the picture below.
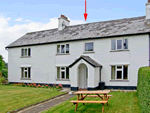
{"points": [[83, 94]]}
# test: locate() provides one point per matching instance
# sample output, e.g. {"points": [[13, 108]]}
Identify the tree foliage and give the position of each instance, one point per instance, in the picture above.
{"points": [[3, 68]]}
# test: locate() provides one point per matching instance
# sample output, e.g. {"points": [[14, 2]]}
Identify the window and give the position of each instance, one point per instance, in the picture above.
{"points": [[119, 72], [62, 49], [25, 72], [26, 52], [89, 46], [62, 73], [119, 44]]}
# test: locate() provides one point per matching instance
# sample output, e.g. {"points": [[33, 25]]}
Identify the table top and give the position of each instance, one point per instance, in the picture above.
{"points": [[93, 92]]}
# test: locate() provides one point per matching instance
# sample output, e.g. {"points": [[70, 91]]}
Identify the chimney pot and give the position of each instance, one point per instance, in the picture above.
{"points": [[148, 1], [63, 16]]}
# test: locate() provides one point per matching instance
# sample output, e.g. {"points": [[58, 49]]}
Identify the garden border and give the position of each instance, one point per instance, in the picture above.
{"points": [[22, 108]]}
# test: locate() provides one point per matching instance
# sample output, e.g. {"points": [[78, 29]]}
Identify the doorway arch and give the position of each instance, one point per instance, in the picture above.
{"points": [[82, 76]]}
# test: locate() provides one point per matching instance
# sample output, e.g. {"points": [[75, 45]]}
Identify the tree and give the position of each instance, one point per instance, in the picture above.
{"points": [[1, 63], [3, 67]]}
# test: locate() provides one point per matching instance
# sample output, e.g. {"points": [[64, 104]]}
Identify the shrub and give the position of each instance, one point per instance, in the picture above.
{"points": [[0, 74], [1, 80], [46, 86], [60, 86], [39, 86], [23, 85], [143, 89], [5, 73]]}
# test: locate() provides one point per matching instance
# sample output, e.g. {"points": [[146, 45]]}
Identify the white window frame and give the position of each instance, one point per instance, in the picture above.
{"points": [[24, 52], [120, 70], [25, 71], [85, 48], [64, 48], [122, 44], [64, 72], [117, 44]]}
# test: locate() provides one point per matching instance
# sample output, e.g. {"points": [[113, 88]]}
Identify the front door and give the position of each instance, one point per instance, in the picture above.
{"points": [[83, 77]]}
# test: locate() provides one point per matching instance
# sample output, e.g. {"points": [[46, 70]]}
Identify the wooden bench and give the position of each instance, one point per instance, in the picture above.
{"points": [[96, 95], [86, 101]]}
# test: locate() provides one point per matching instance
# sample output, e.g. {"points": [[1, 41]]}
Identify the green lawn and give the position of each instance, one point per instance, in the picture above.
{"points": [[13, 97], [120, 102]]}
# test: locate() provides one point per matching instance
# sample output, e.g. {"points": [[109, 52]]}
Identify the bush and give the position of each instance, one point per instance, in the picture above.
{"points": [[0, 74], [143, 89], [1, 80], [5, 73]]}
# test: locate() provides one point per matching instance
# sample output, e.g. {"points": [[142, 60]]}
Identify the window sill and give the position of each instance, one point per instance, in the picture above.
{"points": [[63, 54], [88, 52], [119, 80], [62, 80], [25, 78], [118, 50], [25, 57]]}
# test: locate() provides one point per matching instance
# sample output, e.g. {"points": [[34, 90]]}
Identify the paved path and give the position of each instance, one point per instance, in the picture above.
{"points": [[46, 105]]}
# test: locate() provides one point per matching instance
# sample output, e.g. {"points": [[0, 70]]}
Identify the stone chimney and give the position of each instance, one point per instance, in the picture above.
{"points": [[148, 10], [63, 22]]}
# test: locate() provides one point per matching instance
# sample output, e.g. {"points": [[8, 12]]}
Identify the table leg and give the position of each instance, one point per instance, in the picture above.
{"points": [[76, 106], [83, 98], [78, 97], [103, 109]]}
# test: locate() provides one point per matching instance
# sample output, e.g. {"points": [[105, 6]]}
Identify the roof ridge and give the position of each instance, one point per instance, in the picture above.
{"points": [[87, 23]]}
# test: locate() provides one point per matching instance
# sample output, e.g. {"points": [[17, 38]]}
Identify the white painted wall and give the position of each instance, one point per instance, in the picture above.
{"points": [[44, 61], [96, 76]]}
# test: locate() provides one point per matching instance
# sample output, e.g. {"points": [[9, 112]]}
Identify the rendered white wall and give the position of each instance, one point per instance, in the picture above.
{"points": [[44, 61]]}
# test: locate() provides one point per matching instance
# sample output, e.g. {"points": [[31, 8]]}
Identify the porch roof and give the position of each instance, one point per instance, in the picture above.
{"points": [[88, 60]]}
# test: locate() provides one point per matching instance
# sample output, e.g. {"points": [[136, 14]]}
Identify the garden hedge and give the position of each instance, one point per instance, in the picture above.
{"points": [[143, 89]]}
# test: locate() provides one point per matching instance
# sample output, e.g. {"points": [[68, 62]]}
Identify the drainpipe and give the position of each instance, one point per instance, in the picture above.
{"points": [[100, 74]]}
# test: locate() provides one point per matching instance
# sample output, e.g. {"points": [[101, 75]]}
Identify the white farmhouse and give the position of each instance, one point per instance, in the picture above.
{"points": [[81, 56]]}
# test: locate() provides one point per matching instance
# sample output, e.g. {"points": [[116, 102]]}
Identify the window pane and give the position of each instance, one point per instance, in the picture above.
{"points": [[62, 68], [67, 48], [125, 72], [119, 44], [58, 48], [22, 52], [22, 70], [29, 72], [25, 74], [62, 74], [67, 73], [29, 51], [119, 67], [113, 44], [89, 46], [58, 72], [25, 69], [119, 74], [113, 72], [62, 48], [25, 52], [125, 44]]}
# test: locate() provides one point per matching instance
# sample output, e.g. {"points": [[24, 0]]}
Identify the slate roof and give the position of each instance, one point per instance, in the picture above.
{"points": [[88, 60], [119, 27]]}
